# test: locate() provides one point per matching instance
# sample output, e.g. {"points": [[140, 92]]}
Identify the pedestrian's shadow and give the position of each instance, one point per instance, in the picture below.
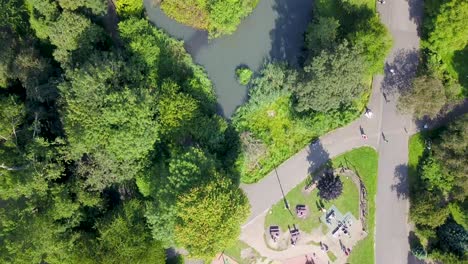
{"points": [[317, 156], [400, 73], [401, 182]]}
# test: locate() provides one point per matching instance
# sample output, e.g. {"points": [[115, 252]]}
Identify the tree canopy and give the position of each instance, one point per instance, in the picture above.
{"points": [[102, 137], [426, 97], [334, 79]]}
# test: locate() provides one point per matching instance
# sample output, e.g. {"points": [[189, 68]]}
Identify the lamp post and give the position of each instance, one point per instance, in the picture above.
{"points": [[286, 205]]}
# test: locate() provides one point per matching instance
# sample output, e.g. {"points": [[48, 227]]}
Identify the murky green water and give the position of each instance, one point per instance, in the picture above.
{"points": [[274, 31]]}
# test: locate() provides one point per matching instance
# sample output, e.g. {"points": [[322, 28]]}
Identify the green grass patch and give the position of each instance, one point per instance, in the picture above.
{"points": [[364, 162], [280, 216], [416, 151], [331, 256], [235, 251]]}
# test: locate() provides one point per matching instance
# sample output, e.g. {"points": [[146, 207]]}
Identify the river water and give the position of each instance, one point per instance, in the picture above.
{"points": [[273, 31]]}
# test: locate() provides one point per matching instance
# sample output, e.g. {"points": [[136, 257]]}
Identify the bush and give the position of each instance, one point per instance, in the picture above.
{"points": [[127, 8], [330, 187], [219, 17], [244, 75]]}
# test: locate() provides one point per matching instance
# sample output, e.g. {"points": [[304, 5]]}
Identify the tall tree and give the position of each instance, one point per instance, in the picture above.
{"points": [[332, 80], [435, 176], [427, 210], [321, 34], [426, 97], [451, 150], [110, 126], [209, 216]]}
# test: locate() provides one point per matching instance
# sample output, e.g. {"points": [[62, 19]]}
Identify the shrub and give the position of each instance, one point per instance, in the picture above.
{"points": [[330, 187], [244, 75], [127, 8]]}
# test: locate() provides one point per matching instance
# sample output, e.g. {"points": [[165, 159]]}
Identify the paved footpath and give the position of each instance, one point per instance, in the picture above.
{"points": [[392, 204]]}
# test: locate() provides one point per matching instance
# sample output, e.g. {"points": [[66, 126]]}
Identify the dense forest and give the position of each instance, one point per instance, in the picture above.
{"points": [[110, 146], [288, 106], [218, 17], [438, 180]]}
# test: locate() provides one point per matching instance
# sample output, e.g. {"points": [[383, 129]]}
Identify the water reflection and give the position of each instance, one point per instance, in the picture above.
{"points": [[274, 30]]}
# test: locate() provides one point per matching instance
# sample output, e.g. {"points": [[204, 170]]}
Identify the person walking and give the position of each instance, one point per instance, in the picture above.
{"points": [[384, 138], [363, 135]]}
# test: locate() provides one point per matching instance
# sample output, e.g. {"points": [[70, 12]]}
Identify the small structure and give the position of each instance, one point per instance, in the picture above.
{"points": [[301, 211], [294, 235], [274, 233], [337, 222]]}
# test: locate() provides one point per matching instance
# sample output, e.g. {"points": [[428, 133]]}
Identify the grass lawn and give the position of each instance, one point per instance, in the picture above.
{"points": [[364, 162], [348, 201], [235, 251], [416, 151]]}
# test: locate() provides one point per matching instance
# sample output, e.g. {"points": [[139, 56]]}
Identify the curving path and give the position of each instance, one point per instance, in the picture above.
{"points": [[401, 18]]}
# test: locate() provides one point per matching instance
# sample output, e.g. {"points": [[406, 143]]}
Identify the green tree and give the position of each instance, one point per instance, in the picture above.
{"points": [[332, 80], [124, 238], [186, 169], [244, 74], [98, 7], [321, 34], [450, 151], [70, 32], [175, 110], [30, 235], [453, 238], [425, 98], [459, 213], [209, 216], [127, 8], [14, 15], [426, 210], [219, 17], [435, 177], [27, 161], [446, 33], [43, 13], [375, 40], [193, 13], [110, 126]]}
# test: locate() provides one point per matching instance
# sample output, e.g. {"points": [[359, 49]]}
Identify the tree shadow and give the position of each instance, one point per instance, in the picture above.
{"points": [[401, 184], [416, 8], [317, 157], [196, 41], [447, 115], [460, 58], [414, 242], [400, 73], [287, 37]]}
